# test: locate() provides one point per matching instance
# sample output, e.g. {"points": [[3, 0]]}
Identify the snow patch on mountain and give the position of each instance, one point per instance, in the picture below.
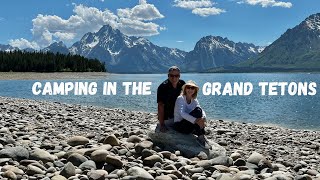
{"points": [[313, 22]]}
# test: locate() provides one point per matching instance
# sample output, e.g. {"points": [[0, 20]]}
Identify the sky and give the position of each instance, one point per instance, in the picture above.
{"points": [[171, 23]]}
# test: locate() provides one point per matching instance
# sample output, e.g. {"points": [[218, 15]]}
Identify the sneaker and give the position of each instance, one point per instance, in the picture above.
{"points": [[203, 142]]}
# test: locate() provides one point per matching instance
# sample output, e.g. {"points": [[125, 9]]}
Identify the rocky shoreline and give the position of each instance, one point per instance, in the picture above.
{"points": [[51, 140]]}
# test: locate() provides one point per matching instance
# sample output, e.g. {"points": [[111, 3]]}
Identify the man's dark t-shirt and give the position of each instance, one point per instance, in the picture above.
{"points": [[167, 94]]}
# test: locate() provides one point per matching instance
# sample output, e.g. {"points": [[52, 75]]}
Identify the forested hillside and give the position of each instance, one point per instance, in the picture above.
{"points": [[19, 61]]}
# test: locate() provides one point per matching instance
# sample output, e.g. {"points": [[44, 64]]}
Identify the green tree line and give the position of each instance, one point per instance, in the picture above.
{"points": [[19, 61]]}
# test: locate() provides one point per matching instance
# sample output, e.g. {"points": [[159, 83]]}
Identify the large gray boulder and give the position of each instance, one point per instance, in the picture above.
{"points": [[16, 153], [186, 144]]}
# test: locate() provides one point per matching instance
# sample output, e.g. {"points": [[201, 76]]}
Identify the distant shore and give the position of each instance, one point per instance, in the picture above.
{"points": [[51, 76], [29, 124]]}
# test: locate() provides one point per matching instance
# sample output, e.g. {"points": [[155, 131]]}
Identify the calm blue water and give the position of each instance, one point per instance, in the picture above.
{"points": [[298, 112]]}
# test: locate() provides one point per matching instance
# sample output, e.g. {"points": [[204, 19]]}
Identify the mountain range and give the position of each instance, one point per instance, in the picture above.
{"points": [[215, 51], [297, 48], [130, 54], [7, 48]]}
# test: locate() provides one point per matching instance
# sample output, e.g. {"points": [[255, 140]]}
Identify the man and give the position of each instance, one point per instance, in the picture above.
{"points": [[167, 93]]}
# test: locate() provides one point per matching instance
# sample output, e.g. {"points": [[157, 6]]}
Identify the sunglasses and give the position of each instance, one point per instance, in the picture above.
{"points": [[190, 87], [172, 75]]}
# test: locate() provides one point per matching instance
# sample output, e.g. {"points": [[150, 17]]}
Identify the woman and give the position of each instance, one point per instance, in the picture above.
{"points": [[188, 115]]}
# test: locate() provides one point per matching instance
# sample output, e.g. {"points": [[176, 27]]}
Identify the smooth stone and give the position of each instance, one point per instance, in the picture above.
{"points": [[112, 140], [151, 160], [115, 161], [99, 155], [123, 151], [243, 177], [42, 155], [121, 173], [4, 130], [78, 140], [264, 163], [3, 161], [170, 167], [76, 159], [32, 170], [146, 153], [235, 156], [97, 174], [196, 170], [224, 177], [303, 177], [143, 145], [26, 162], [16, 153], [51, 170], [10, 175], [88, 165], [40, 117], [204, 164], [163, 177], [221, 168], [255, 157], [202, 155], [312, 172], [68, 170], [16, 170], [239, 162], [184, 143], [58, 163], [297, 167], [139, 173], [111, 176], [58, 177], [134, 139], [196, 176], [166, 154], [222, 160]]}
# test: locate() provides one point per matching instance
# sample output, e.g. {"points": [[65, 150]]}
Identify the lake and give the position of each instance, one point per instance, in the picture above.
{"points": [[297, 112]]}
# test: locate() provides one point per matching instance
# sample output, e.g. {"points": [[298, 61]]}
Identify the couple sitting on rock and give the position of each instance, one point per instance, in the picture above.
{"points": [[177, 102]]}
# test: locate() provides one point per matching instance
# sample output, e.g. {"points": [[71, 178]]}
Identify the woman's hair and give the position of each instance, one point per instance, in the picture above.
{"points": [[190, 83]]}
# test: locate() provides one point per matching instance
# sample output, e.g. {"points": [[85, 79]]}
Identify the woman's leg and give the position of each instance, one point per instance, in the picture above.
{"points": [[198, 131], [184, 127]]}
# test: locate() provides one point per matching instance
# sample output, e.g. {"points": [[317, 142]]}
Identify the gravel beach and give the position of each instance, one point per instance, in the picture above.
{"points": [[51, 140]]}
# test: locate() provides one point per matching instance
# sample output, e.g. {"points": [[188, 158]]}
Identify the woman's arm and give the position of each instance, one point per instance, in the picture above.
{"points": [[181, 105]]}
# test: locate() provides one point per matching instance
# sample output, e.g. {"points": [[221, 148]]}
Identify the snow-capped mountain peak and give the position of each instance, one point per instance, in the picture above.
{"points": [[126, 54], [57, 47], [215, 51], [313, 22], [7, 48]]}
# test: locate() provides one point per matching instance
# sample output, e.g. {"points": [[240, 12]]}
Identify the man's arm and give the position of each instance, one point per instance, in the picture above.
{"points": [[163, 127], [161, 113]]}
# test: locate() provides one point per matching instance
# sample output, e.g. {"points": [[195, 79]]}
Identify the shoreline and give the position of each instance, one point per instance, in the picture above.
{"points": [[51, 76], [50, 125]]}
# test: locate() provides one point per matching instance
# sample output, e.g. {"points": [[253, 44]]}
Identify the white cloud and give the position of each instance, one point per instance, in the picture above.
{"points": [[192, 4], [23, 43], [137, 28], [49, 28], [162, 28], [267, 3], [143, 11], [204, 12], [179, 41], [202, 8]]}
